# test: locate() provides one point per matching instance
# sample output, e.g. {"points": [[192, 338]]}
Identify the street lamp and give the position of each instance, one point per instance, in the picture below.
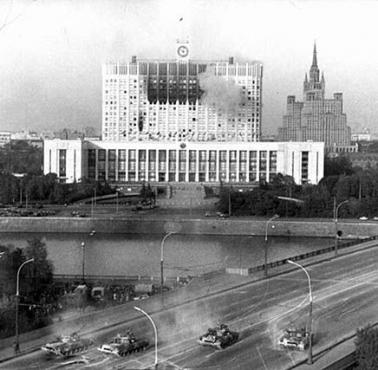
{"points": [[155, 331], [17, 343], [335, 213], [83, 261], [92, 233], [266, 244], [309, 361], [162, 260]]}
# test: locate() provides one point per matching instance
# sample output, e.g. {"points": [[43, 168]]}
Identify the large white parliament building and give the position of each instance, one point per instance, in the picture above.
{"points": [[182, 121]]}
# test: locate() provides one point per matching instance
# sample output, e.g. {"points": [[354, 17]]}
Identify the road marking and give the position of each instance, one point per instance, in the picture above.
{"points": [[261, 357]]}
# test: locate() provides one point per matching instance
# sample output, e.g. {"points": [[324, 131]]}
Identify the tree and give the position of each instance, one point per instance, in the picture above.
{"points": [[40, 272], [366, 343], [337, 166]]}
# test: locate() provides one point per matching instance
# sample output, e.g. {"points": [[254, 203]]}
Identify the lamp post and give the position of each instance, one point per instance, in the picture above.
{"points": [[83, 262], [155, 331], [335, 213], [309, 361], [92, 233], [17, 343], [162, 260], [266, 244]]}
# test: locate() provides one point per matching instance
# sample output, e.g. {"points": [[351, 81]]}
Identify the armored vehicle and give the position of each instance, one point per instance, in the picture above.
{"points": [[294, 338], [123, 344], [219, 337], [67, 345]]}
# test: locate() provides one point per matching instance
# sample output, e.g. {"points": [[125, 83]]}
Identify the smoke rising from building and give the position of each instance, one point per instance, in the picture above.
{"points": [[224, 95]]}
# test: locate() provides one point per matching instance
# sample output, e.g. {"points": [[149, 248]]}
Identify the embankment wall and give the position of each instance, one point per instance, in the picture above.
{"points": [[209, 226]]}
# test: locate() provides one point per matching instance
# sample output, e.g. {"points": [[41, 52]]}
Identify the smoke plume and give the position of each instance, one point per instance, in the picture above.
{"points": [[224, 95]]}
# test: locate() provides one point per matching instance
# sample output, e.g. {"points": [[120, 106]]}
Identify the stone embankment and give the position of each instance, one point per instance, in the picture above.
{"points": [[182, 225]]}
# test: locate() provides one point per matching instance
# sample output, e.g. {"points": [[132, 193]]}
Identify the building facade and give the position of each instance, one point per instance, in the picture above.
{"points": [[5, 137], [316, 118], [182, 100], [163, 162], [182, 121]]}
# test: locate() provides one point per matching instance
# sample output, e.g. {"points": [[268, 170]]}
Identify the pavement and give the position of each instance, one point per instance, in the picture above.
{"points": [[204, 286], [325, 359]]}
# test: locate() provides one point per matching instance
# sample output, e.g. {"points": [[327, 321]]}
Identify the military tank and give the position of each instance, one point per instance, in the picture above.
{"points": [[293, 338], [219, 337], [124, 344], [67, 345]]}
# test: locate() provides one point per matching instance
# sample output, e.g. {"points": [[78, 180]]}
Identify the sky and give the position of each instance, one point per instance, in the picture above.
{"points": [[51, 52]]}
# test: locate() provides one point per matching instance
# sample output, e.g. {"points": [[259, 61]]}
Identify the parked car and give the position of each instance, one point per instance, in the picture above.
{"points": [[222, 215]]}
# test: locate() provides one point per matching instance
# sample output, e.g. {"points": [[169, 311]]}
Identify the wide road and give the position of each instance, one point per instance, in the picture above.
{"points": [[345, 297]]}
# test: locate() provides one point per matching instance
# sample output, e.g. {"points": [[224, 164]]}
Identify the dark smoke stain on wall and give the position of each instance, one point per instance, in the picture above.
{"points": [[172, 82]]}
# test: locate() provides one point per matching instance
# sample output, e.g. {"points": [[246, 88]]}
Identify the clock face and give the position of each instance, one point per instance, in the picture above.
{"points": [[183, 51]]}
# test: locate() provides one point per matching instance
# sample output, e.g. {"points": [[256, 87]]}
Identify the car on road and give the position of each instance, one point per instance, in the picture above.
{"points": [[222, 215], [363, 218], [375, 218]]}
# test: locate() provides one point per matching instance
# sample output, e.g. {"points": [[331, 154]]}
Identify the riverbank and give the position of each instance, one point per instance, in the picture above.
{"points": [[137, 224]]}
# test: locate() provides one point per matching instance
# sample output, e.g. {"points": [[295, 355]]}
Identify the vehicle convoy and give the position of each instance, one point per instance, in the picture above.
{"points": [[219, 337], [67, 345], [124, 344], [293, 338]]}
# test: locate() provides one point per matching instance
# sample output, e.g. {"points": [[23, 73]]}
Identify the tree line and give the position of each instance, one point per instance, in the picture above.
{"points": [[47, 189], [341, 182], [37, 298]]}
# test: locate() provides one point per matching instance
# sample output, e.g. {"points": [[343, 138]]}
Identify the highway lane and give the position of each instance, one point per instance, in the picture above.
{"points": [[344, 299]]}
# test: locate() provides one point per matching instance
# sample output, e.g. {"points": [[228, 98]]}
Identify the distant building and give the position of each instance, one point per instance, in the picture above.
{"points": [[365, 135], [5, 137], [316, 118]]}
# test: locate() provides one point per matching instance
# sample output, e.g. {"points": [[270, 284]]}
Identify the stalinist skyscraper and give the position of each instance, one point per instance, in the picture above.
{"points": [[316, 118]]}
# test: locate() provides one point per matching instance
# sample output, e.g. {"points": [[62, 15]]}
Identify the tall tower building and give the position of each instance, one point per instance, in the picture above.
{"points": [[182, 100], [316, 118]]}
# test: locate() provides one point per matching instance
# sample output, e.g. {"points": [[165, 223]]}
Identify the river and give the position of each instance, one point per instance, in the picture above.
{"points": [[139, 254]]}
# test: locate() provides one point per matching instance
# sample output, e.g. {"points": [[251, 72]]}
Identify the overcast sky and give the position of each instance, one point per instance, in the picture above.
{"points": [[51, 51]]}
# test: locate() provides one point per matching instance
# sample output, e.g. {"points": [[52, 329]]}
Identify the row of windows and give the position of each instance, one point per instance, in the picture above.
{"points": [[204, 157]]}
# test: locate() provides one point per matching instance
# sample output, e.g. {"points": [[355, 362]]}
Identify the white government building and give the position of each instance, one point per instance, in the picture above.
{"points": [[182, 121]]}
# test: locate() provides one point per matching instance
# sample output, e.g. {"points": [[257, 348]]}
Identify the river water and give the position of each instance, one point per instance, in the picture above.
{"points": [[137, 254]]}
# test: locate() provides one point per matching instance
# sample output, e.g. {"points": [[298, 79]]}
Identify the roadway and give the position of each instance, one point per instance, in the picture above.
{"points": [[344, 293]]}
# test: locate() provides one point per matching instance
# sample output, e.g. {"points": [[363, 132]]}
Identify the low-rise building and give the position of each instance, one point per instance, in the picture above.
{"points": [[163, 162]]}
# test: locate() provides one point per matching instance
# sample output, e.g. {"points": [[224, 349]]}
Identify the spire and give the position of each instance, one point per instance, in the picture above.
{"points": [[314, 57], [314, 70]]}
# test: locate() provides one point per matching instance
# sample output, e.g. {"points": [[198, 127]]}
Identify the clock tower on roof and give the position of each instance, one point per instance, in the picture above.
{"points": [[182, 50]]}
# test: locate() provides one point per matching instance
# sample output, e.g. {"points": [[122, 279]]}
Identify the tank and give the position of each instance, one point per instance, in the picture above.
{"points": [[124, 344], [219, 337], [293, 338], [67, 345]]}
